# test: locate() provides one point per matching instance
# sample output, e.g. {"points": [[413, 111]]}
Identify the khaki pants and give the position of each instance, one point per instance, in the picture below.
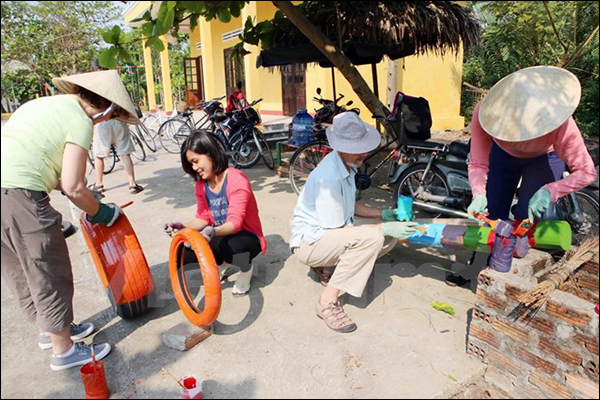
{"points": [[353, 251], [35, 259]]}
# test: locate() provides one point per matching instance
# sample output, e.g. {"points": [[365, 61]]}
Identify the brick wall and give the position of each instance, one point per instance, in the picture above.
{"points": [[547, 353]]}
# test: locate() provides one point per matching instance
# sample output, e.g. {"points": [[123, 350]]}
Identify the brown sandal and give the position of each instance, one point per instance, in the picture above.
{"points": [[335, 317], [324, 274]]}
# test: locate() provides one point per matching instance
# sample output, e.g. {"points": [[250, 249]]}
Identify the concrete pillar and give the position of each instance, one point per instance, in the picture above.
{"points": [[166, 75], [149, 75]]}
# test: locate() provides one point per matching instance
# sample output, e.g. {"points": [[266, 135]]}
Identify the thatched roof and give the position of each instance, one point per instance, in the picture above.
{"points": [[429, 26]]}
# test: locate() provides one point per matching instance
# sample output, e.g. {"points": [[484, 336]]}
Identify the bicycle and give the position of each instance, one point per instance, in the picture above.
{"points": [[174, 131], [241, 138], [112, 159]]}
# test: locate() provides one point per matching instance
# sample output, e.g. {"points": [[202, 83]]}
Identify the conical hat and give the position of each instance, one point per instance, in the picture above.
{"points": [[529, 103], [107, 84]]}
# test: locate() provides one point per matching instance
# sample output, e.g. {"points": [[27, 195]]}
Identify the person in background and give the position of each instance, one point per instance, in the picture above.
{"points": [[45, 147]]}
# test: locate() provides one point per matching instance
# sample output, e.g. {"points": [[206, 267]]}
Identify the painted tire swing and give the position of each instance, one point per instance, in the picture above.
{"points": [[210, 277], [121, 264]]}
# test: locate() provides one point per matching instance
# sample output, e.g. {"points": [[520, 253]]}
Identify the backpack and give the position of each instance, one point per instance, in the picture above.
{"points": [[416, 115]]}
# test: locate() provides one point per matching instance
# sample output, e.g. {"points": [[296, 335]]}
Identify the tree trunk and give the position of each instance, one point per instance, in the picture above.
{"points": [[335, 55]]}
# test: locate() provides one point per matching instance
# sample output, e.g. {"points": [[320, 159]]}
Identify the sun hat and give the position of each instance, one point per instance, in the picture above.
{"points": [[107, 84], [529, 103], [349, 134]]}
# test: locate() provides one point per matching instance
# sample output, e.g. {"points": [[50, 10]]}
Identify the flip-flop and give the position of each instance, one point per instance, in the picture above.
{"points": [[135, 189], [457, 280]]}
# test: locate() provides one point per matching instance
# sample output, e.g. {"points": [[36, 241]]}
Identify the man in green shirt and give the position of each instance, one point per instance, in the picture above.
{"points": [[44, 147]]}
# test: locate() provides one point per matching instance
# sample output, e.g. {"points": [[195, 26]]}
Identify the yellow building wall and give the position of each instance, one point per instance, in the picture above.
{"points": [[213, 60]]}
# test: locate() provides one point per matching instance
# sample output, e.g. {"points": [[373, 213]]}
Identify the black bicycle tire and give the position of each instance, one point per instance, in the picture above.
{"points": [[137, 143], [412, 169], [147, 138], [247, 165], [261, 139], [296, 154]]}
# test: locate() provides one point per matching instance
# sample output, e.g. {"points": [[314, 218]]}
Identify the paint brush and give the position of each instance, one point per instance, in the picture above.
{"points": [[175, 379], [483, 217]]}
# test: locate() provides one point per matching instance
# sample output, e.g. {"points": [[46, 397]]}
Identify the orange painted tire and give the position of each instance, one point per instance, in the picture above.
{"points": [[210, 277], [121, 265]]}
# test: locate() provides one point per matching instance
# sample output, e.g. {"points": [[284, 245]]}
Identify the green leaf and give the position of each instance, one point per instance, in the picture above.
{"points": [[444, 307], [195, 7], [125, 56], [108, 37], [235, 10], [108, 58], [224, 16], [453, 379], [248, 25], [166, 16], [116, 33], [156, 43], [147, 29], [193, 21]]}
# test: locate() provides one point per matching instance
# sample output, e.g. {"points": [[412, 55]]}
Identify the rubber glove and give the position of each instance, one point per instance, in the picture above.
{"points": [[399, 230], [172, 228], [539, 203], [389, 215], [107, 214], [208, 233], [478, 205]]}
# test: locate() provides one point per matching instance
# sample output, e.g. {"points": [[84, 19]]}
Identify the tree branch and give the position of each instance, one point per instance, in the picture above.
{"points": [[580, 49], [565, 47]]}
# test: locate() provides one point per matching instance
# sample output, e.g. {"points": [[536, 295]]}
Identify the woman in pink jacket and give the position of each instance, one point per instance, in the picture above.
{"points": [[523, 130], [226, 213]]}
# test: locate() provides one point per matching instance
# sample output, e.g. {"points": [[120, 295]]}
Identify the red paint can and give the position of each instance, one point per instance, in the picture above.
{"points": [[94, 380], [193, 387]]}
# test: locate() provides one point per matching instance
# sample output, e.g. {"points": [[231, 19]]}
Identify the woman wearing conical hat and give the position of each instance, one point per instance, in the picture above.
{"points": [[524, 130], [45, 147]]}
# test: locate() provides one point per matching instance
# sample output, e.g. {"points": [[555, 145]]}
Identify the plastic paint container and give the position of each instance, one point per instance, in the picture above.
{"points": [[193, 387], [405, 208], [94, 380]]}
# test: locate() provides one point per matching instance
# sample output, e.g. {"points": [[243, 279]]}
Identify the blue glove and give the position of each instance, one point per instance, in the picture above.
{"points": [[107, 214], [172, 228], [539, 203], [399, 230], [389, 215], [208, 233], [478, 205]]}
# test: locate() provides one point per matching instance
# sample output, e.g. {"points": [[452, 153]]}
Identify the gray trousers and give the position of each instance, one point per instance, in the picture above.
{"points": [[35, 259]]}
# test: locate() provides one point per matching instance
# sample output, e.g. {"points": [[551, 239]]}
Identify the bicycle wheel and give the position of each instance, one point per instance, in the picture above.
{"points": [[587, 225], [139, 151], [410, 181], [265, 149], [152, 122], [144, 133], [245, 152], [169, 135], [304, 160], [109, 162]]}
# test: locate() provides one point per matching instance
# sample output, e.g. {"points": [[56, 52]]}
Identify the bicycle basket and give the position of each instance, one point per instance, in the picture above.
{"points": [[253, 116], [213, 107]]}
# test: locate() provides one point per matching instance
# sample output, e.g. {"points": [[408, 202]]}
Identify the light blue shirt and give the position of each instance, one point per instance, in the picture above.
{"points": [[327, 201]]}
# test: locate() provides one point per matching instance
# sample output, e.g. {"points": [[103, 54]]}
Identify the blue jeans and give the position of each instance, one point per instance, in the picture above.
{"points": [[503, 178]]}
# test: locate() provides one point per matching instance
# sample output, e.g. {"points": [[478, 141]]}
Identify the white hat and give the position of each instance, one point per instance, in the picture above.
{"points": [[107, 84], [529, 103], [349, 134]]}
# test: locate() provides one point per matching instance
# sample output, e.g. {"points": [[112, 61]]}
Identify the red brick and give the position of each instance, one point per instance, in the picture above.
{"points": [[590, 267], [583, 385], [542, 325], [537, 362], [490, 301], [512, 330], [568, 356], [586, 281], [555, 389], [504, 363], [588, 342], [513, 292], [567, 314], [484, 335]]}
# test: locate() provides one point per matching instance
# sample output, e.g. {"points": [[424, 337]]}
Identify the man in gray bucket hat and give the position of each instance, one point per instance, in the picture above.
{"points": [[324, 231], [44, 147]]}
